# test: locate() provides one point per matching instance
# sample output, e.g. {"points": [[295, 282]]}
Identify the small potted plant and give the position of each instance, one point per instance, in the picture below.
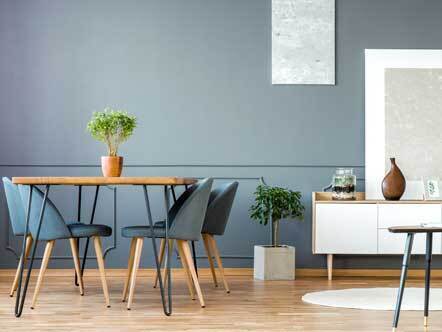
{"points": [[275, 261], [112, 127]]}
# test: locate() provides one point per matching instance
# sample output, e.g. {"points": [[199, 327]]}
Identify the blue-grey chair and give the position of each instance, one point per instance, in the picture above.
{"points": [[17, 219], [186, 219], [217, 215], [215, 222], [54, 228]]}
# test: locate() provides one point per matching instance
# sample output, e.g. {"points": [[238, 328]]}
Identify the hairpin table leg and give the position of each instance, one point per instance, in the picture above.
{"points": [[428, 254], [20, 300], [405, 263], [167, 307], [78, 219], [83, 263]]}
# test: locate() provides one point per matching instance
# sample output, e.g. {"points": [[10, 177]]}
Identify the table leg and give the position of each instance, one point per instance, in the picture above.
{"points": [[20, 300], [78, 219], [428, 254], [405, 263], [167, 307], [83, 263], [169, 248], [172, 189]]}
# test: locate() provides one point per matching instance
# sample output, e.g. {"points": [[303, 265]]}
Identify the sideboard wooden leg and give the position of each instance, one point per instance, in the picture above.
{"points": [[330, 266]]}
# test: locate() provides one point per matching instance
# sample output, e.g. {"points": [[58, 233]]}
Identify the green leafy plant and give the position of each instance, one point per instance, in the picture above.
{"points": [[273, 204], [112, 127]]}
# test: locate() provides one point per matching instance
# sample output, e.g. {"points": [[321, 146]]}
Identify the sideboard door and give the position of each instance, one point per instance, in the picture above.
{"points": [[407, 215], [346, 229]]}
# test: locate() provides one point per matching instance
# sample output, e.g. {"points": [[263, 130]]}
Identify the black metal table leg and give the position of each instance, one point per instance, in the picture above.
{"points": [[167, 307], [20, 300], [172, 189], [405, 263], [428, 254], [169, 248], [83, 263], [78, 219]]}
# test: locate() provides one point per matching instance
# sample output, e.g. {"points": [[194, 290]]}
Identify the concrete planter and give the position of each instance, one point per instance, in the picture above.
{"points": [[274, 263]]}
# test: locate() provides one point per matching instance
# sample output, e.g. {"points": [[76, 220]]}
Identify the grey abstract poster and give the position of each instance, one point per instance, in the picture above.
{"points": [[303, 41], [413, 121]]}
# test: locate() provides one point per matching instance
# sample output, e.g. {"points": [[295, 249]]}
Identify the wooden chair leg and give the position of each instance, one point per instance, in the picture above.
{"points": [[74, 249], [44, 265], [17, 274], [187, 271], [100, 261], [218, 261], [189, 260], [160, 259], [209, 257], [136, 264], [130, 264], [165, 275]]}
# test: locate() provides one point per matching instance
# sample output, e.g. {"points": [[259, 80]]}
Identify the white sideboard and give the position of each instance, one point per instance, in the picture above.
{"points": [[360, 227]]}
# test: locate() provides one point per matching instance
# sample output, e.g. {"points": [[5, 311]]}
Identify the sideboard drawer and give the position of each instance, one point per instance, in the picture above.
{"points": [[394, 243], [408, 214], [346, 229]]}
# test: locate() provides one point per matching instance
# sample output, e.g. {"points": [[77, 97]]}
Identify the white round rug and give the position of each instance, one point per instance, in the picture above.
{"points": [[375, 298]]}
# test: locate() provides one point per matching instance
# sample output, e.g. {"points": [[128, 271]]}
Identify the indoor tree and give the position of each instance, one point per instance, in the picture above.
{"points": [[273, 204], [112, 127]]}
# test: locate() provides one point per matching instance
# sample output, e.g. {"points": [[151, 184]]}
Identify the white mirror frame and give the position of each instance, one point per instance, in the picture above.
{"points": [[376, 61]]}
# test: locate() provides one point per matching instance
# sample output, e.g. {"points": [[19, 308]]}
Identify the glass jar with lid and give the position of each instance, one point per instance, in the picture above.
{"points": [[343, 184]]}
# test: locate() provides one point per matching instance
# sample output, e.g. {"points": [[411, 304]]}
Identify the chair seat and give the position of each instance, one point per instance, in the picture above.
{"points": [[143, 231], [29, 233], [21, 233], [86, 230]]}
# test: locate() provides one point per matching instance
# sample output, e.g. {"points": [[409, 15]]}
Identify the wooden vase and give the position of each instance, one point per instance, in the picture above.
{"points": [[111, 166], [393, 185]]}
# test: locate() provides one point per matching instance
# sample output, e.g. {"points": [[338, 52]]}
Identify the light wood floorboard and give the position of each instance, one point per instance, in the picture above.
{"points": [[251, 306]]}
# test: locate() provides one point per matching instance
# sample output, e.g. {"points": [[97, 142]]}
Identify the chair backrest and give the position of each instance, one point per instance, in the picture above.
{"points": [[17, 213], [53, 226], [188, 216], [180, 201], [218, 210]]}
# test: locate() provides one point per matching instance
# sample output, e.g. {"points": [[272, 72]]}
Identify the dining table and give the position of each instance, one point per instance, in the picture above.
{"points": [[168, 182]]}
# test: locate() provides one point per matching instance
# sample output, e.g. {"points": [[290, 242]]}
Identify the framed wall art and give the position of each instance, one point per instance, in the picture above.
{"points": [[303, 42]]}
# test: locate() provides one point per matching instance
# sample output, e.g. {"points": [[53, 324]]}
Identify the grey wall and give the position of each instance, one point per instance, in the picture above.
{"points": [[197, 75]]}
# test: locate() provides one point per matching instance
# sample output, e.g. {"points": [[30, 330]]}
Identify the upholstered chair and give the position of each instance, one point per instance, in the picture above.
{"points": [[215, 222], [17, 219], [54, 228], [186, 219], [217, 215]]}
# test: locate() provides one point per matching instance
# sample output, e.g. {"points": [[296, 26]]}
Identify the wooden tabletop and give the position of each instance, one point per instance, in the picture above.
{"points": [[98, 180], [415, 229]]}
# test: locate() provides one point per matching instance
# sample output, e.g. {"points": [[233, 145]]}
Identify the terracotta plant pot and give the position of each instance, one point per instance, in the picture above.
{"points": [[111, 166], [393, 185]]}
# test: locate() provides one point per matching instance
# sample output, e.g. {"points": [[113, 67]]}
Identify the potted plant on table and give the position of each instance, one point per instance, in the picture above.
{"points": [[275, 261], [112, 127]]}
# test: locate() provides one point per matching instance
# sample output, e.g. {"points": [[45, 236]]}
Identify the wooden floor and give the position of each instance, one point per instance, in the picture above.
{"points": [[251, 306]]}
